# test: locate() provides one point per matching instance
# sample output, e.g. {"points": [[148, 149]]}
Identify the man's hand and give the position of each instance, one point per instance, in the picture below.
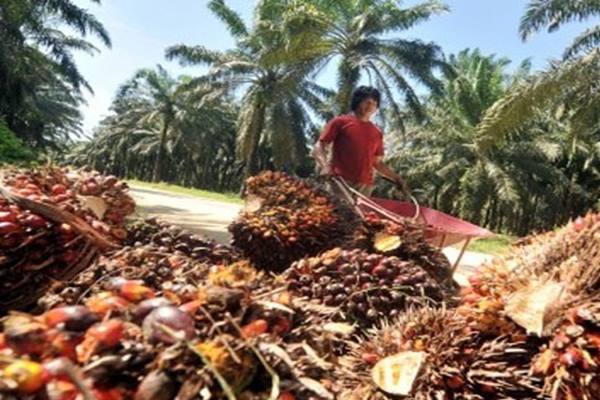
{"points": [[403, 187], [391, 175]]}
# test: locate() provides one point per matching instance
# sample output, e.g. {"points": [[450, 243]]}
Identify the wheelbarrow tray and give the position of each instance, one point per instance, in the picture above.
{"points": [[442, 229]]}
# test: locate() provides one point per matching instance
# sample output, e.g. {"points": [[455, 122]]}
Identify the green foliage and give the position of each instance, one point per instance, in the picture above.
{"points": [[12, 150], [552, 14], [40, 85]]}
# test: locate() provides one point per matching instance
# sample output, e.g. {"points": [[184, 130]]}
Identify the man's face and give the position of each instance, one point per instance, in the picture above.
{"points": [[367, 107]]}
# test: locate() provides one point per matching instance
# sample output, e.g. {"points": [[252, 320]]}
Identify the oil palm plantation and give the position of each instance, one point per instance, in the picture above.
{"points": [[40, 85], [163, 130]]}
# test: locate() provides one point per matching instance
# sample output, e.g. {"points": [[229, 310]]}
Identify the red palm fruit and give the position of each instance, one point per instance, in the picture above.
{"points": [[108, 394], [8, 216], [34, 221], [104, 302], [25, 337], [9, 227], [71, 318], [58, 189], [135, 291], [255, 328], [370, 358], [108, 333], [64, 343]]}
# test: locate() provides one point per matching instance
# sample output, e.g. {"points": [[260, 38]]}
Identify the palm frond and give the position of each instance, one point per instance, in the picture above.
{"points": [[234, 22]]}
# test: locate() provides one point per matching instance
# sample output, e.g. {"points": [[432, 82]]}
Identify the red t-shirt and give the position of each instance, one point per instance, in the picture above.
{"points": [[356, 144]]}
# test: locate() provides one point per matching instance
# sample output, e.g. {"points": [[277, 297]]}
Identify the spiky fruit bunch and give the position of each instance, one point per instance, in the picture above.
{"points": [[567, 258], [102, 201], [570, 255], [405, 239], [366, 287], [454, 361], [570, 362], [286, 219], [169, 238]]}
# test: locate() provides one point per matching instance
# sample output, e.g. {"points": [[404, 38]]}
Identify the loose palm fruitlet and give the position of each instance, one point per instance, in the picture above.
{"points": [[366, 287], [173, 239], [430, 354], [286, 219]]}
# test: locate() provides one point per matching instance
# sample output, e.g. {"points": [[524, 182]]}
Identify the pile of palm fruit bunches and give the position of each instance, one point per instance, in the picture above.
{"points": [[308, 302]]}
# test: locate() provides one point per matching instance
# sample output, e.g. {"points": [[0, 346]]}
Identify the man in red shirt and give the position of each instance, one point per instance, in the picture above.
{"points": [[351, 146]]}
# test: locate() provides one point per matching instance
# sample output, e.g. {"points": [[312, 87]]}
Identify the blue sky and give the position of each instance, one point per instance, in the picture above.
{"points": [[142, 29]]}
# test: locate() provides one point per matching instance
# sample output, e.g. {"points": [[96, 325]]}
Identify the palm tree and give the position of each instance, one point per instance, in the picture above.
{"points": [[552, 14], [362, 36], [573, 82], [161, 129], [152, 103], [493, 186], [274, 118], [36, 58]]}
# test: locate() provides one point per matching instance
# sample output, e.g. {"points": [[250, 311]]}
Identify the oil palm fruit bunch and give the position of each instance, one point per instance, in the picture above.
{"points": [[405, 239], [286, 218], [570, 362], [169, 238], [33, 252], [366, 287], [430, 354], [102, 201]]}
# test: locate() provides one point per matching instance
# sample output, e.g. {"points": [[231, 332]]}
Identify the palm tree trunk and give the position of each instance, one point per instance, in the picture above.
{"points": [[159, 157]]}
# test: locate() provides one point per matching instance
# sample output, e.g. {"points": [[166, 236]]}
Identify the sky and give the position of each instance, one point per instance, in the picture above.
{"points": [[141, 30]]}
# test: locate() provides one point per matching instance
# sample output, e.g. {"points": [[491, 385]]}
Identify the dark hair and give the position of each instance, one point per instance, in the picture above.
{"points": [[364, 92]]}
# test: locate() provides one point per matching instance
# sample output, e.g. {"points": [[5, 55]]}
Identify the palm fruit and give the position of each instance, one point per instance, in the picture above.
{"points": [[37, 250], [366, 287], [103, 201], [173, 239], [538, 282], [430, 354], [405, 239], [570, 362], [286, 219]]}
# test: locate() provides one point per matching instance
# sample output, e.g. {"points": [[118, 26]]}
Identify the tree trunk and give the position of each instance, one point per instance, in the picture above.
{"points": [[156, 176]]}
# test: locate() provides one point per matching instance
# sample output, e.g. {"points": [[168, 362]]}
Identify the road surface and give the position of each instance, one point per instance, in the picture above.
{"points": [[211, 217]]}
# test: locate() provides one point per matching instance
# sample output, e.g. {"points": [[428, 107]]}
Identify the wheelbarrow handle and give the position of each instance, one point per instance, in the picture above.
{"points": [[410, 197]]}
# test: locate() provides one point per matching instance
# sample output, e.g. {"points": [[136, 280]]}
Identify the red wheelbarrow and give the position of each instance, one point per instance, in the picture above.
{"points": [[441, 229]]}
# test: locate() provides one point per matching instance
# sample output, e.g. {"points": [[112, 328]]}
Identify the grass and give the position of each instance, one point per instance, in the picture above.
{"points": [[205, 194], [496, 245]]}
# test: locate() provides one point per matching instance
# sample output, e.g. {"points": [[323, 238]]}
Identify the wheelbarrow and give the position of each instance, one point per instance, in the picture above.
{"points": [[441, 230]]}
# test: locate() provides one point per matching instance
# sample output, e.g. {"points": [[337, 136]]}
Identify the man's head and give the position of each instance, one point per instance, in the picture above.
{"points": [[365, 101]]}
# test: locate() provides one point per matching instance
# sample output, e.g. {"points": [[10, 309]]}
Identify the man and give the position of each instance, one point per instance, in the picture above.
{"points": [[351, 146]]}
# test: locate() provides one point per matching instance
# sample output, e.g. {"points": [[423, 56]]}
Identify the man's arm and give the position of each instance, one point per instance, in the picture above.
{"points": [[323, 150], [323, 154], [389, 173]]}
